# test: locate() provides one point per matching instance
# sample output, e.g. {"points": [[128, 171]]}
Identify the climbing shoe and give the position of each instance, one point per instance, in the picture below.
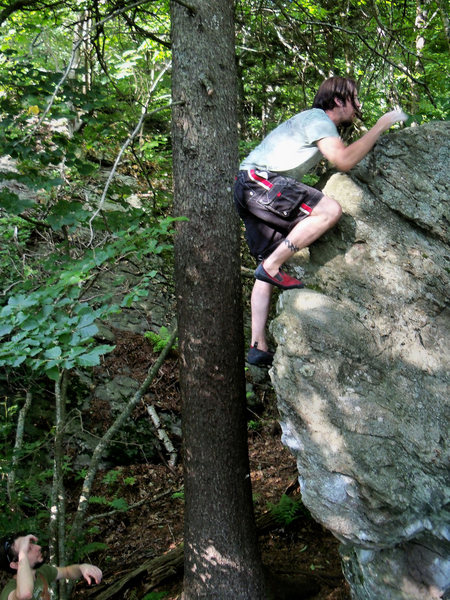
{"points": [[260, 358], [281, 279]]}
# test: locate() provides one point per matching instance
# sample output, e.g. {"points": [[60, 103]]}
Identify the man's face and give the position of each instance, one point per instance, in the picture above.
{"points": [[350, 110], [34, 552]]}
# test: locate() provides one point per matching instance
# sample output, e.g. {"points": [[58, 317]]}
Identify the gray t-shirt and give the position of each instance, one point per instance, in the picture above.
{"points": [[291, 147]]}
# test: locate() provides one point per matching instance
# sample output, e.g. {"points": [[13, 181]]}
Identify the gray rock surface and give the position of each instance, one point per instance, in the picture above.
{"points": [[361, 370]]}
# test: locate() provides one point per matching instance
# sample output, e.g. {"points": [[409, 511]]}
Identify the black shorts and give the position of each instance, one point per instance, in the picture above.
{"points": [[270, 206]]}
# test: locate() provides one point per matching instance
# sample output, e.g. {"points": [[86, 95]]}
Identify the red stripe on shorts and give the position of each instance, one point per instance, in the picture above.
{"points": [[264, 182]]}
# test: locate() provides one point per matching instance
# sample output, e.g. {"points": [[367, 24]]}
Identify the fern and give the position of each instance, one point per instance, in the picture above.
{"points": [[287, 509], [159, 340], [155, 596]]}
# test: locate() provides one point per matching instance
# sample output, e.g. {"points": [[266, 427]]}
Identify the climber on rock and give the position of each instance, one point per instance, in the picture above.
{"points": [[283, 215]]}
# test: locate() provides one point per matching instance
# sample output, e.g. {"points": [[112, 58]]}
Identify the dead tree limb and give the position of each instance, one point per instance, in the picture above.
{"points": [[83, 502], [18, 445], [158, 570], [162, 434]]}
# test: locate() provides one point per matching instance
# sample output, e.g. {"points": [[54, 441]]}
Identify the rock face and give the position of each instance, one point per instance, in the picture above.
{"points": [[362, 369]]}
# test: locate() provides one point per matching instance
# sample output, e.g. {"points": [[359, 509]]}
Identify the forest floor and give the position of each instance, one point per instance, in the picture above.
{"points": [[301, 557]]}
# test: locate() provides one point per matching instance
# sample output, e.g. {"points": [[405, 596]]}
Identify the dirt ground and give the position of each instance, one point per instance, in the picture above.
{"points": [[301, 558]]}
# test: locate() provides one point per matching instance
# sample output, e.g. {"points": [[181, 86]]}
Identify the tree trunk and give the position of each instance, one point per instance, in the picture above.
{"points": [[57, 525], [221, 556], [420, 24]]}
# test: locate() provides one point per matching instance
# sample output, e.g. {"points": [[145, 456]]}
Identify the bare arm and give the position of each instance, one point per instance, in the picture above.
{"points": [[25, 575], [346, 157], [89, 572]]}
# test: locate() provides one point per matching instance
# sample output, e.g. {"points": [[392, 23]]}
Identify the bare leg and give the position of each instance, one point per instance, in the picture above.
{"points": [[260, 304], [326, 214]]}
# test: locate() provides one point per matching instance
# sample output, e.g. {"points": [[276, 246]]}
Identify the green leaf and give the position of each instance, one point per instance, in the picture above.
{"points": [[88, 332], [5, 329], [92, 358], [86, 168], [87, 318], [119, 504], [19, 360], [53, 353], [98, 500], [21, 301], [12, 203], [67, 213]]}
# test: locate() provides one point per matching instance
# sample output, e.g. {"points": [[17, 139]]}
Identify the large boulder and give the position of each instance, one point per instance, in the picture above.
{"points": [[361, 369]]}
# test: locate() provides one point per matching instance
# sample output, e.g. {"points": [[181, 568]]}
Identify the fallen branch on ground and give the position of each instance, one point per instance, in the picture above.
{"points": [[157, 571]]}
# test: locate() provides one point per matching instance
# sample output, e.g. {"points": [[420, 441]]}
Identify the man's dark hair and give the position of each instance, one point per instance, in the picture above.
{"points": [[342, 88], [7, 553]]}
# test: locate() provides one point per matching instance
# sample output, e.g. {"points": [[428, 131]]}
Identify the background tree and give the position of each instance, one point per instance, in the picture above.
{"points": [[86, 191], [66, 221], [221, 557], [286, 49]]}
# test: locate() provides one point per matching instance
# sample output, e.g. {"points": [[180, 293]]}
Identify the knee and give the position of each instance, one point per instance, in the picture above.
{"points": [[333, 210]]}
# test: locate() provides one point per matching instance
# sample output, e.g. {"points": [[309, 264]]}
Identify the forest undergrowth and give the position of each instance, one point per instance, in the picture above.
{"points": [[301, 558]]}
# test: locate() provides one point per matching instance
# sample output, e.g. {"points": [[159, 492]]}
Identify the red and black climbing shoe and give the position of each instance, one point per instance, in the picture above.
{"points": [[281, 279], [260, 358]]}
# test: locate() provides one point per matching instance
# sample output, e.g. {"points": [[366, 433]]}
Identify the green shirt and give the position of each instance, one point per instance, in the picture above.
{"points": [[47, 571]]}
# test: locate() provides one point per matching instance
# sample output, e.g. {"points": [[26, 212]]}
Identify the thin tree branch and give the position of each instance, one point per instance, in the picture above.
{"points": [[130, 138], [25, 5], [147, 499], [404, 70], [146, 33], [191, 8], [162, 434], [72, 59], [363, 39], [18, 444], [57, 504], [83, 502]]}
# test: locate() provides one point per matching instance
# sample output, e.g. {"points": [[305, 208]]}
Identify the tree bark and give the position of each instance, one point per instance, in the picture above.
{"points": [[221, 556], [57, 525]]}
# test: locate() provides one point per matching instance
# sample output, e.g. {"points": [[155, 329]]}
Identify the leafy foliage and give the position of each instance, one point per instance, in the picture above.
{"points": [[159, 340], [393, 50], [155, 596], [70, 218], [76, 78]]}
